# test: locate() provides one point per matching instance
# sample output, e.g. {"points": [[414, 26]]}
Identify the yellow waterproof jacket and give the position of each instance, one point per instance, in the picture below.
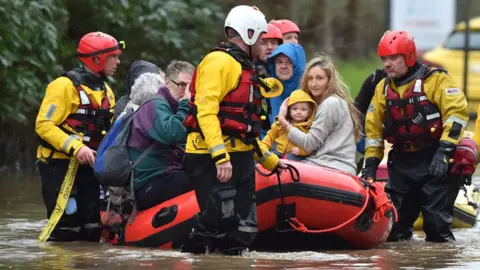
{"points": [[278, 134], [217, 75], [62, 99], [476, 135], [440, 90]]}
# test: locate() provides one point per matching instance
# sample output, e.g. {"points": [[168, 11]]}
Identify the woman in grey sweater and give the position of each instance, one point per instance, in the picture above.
{"points": [[336, 126]]}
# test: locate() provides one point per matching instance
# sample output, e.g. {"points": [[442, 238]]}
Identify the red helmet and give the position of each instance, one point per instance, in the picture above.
{"points": [[273, 32], [286, 26], [97, 45], [398, 42]]}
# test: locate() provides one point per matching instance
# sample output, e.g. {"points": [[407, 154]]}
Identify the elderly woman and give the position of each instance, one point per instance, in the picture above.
{"points": [[159, 176], [136, 69]]}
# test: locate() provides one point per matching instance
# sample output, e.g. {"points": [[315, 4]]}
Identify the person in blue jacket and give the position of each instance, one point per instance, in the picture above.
{"points": [[286, 63]]}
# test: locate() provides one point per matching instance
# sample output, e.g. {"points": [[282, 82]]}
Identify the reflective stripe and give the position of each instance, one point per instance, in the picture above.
{"points": [[420, 98], [418, 86], [216, 148], [81, 111], [248, 229], [51, 111], [374, 143], [67, 142], [453, 119], [84, 98], [386, 87], [92, 225], [265, 156], [85, 138], [72, 229], [433, 116]]}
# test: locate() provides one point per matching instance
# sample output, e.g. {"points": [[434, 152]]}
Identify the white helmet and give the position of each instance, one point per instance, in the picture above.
{"points": [[243, 18]]}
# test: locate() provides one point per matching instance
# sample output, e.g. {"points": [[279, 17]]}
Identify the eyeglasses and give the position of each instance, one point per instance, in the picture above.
{"points": [[180, 84]]}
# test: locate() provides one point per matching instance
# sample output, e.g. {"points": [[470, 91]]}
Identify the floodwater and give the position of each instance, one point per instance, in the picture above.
{"points": [[23, 217]]}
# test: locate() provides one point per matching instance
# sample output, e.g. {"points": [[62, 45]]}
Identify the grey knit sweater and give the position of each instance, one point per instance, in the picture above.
{"points": [[331, 138]]}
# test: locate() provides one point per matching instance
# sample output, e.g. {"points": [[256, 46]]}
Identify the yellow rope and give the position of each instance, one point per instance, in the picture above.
{"points": [[62, 199]]}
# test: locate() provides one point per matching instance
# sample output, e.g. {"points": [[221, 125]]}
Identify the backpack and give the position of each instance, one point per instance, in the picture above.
{"points": [[113, 166]]}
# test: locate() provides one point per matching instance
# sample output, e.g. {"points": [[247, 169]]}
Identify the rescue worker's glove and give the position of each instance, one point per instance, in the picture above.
{"points": [[370, 169], [439, 165]]}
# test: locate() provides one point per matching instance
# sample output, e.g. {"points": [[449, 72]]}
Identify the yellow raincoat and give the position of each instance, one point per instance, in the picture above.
{"points": [[440, 90], [277, 135], [62, 99], [217, 75]]}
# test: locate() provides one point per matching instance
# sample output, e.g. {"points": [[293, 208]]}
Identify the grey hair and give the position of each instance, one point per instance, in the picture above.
{"points": [[176, 66], [146, 87]]}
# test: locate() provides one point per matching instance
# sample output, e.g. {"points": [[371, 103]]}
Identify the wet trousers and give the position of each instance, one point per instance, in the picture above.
{"points": [[412, 190], [83, 224], [161, 189], [227, 222]]}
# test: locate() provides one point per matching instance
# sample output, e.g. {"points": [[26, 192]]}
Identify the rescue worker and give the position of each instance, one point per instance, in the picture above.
{"points": [[270, 42], [75, 114], [289, 29], [423, 113], [224, 124], [362, 101], [367, 90]]}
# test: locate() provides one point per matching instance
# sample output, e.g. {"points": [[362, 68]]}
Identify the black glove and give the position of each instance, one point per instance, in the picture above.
{"points": [[371, 166], [439, 165]]}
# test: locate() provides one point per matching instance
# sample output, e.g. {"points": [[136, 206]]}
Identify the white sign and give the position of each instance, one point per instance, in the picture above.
{"points": [[428, 21]]}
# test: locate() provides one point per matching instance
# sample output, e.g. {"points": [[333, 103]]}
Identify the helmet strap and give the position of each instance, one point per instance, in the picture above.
{"points": [[250, 52]]}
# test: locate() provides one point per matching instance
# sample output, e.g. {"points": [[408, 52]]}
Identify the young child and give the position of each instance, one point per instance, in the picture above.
{"points": [[301, 111]]}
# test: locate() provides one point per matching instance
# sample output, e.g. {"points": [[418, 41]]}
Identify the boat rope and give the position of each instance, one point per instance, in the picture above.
{"points": [[62, 199], [373, 190], [290, 168]]}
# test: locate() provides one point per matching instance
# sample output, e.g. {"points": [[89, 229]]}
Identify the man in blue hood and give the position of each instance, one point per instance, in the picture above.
{"points": [[286, 63]]}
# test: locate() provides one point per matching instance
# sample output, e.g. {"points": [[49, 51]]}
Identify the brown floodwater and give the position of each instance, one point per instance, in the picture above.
{"points": [[23, 216]]}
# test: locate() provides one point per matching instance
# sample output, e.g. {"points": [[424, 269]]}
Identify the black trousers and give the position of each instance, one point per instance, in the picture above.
{"points": [[412, 190], [162, 189], [227, 221], [84, 224]]}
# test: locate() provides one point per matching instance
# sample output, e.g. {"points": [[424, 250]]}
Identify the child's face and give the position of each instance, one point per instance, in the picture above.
{"points": [[300, 111]]}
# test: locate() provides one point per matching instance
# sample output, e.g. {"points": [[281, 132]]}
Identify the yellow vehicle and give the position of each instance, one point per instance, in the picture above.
{"points": [[450, 56], [465, 211]]}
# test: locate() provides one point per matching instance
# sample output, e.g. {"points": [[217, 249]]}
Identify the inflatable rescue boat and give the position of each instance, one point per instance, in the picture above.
{"points": [[304, 200]]}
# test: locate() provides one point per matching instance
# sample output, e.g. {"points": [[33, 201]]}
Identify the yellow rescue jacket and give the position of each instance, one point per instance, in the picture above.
{"points": [[476, 135], [277, 136], [217, 75], [60, 101], [440, 90]]}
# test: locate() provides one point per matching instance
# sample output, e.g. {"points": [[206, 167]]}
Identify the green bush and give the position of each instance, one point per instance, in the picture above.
{"points": [[355, 72], [28, 43]]}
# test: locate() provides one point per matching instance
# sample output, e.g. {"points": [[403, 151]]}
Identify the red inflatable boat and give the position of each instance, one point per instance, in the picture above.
{"points": [[316, 202]]}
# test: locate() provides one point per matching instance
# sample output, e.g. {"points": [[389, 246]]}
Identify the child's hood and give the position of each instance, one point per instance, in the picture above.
{"points": [[302, 96]]}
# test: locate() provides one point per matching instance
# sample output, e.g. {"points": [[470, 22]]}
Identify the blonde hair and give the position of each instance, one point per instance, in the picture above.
{"points": [[336, 86]]}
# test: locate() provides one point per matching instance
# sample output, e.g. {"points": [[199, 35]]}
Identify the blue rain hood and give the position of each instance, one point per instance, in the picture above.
{"points": [[297, 55]]}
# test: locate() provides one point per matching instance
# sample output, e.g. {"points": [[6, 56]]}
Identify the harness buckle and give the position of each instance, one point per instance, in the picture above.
{"points": [[418, 119]]}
